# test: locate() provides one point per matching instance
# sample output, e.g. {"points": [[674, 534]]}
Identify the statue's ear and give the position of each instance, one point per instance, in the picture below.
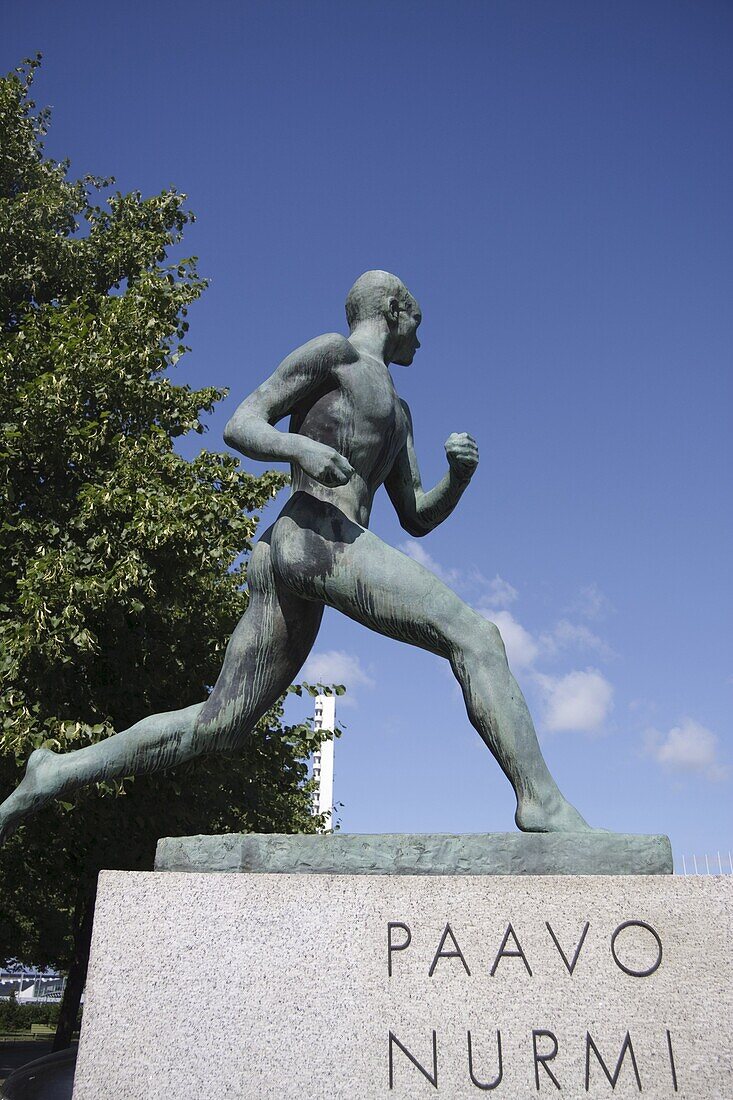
{"points": [[393, 310]]}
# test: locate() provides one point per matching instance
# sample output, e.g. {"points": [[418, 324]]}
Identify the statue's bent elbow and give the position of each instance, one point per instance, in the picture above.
{"points": [[229, 434], [233, 435], [415, 528]]}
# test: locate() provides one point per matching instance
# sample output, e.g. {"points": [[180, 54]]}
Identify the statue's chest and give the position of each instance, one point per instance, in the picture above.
{"points": [[362, 417], [375, 409]]}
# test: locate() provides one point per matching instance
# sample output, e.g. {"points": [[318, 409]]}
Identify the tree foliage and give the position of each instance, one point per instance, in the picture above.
{"points": [[20, 1017], [121, 567]]}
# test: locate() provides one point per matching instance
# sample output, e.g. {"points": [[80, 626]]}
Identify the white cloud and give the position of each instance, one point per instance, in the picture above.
{"points": [[645, 708], [335, 666], [524, 649], [487, 594], [566, 635], [580, 701], [499, 593], [418, 553], [689, 747], [591, 603], [521, 648]]}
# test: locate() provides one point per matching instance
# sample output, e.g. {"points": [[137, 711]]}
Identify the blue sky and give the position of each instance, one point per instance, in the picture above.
{"points": [[553, 182]]}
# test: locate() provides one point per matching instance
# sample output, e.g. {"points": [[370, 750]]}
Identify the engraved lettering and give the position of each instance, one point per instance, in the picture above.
{"points": [[396, 946], [627, 969], [539, 1033], [504, 954], [441, 954], [570, 966], [485, 1085], [626, 1046], [672, 1066], [432, 1078]]}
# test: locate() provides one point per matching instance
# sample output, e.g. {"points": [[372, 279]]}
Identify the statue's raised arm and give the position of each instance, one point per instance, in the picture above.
{"points": [[419, 511]]}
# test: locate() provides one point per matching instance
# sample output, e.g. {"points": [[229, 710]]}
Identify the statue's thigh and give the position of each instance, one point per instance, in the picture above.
{"points": [[376, 585], [267, 649]]}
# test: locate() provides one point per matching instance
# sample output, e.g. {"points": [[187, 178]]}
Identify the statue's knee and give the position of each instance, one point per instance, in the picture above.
{"points": [[493, 637], [481, 639], [217, 732]]}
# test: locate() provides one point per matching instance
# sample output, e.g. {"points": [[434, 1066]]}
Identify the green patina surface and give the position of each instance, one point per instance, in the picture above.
{"points": [[588, 853], [349, 433]]}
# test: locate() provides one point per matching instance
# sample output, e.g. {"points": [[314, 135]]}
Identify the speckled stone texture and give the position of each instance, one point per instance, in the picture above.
{"points": [[226, 986], [420, 854]]}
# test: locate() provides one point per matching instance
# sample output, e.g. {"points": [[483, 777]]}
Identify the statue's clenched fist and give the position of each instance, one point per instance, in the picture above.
{"points": [[462, 453], [323, 463]]}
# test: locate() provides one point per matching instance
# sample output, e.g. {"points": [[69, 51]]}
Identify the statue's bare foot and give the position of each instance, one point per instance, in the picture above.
{"points": [[35, 789], [553, 814]]}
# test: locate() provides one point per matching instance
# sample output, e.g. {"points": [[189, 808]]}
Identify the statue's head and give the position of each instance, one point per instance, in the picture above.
{"points": [[379, 296]]}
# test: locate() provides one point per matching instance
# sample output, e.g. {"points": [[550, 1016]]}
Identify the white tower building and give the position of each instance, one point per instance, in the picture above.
{"points": [[324, 719]]}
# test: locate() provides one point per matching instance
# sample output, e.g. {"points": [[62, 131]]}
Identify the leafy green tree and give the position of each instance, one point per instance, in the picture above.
{"points": [[121, 563]]}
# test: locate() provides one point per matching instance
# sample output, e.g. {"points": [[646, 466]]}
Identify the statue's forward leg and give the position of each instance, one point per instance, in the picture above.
{"points": [[353, 570], [264, 655]]}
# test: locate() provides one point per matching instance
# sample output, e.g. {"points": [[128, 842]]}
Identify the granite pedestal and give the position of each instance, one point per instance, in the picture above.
{"points": [[361, 986]]}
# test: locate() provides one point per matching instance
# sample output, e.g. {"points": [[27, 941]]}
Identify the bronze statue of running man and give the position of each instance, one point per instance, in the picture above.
{"points": [[349, 433]]}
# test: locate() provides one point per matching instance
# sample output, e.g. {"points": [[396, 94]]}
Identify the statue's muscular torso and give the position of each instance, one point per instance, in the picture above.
{"points": [[356, 410]]}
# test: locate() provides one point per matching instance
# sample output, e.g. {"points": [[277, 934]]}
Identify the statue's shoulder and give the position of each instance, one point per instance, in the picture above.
{"points": [[331, 349]]}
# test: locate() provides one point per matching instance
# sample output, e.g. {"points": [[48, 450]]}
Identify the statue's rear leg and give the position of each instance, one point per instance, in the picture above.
{"points": [[264, 655], [327, 556]]}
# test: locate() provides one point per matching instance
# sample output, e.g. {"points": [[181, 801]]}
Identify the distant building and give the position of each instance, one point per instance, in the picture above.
{"points": [[29, 985], [324, 719]]}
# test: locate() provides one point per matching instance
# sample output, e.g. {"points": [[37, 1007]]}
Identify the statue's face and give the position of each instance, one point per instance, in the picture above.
{"points": [[408, 320]]}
